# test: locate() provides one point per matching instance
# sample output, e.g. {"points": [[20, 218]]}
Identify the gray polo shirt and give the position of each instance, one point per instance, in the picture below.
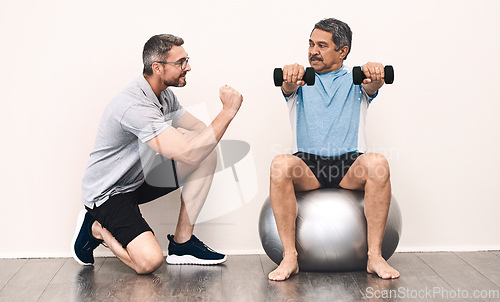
{"points": [[120, 154]]}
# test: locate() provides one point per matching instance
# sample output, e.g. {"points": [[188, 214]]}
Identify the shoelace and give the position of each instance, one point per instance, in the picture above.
{"points": [[197, 242]]}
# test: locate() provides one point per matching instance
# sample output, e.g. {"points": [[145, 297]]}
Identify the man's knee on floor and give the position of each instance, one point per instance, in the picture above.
{"points": [[148, 263]]}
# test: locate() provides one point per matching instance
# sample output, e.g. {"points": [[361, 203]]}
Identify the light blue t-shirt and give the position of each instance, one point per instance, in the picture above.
{"points": [[328, 118]]}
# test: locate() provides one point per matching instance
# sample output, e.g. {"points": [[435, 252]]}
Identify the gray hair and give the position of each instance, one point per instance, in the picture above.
{"points": [[156, 49], [341, 33]]}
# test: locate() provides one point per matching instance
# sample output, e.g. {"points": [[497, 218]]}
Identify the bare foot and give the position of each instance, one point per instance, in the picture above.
{"points": [[378, 265], [288, 267]]}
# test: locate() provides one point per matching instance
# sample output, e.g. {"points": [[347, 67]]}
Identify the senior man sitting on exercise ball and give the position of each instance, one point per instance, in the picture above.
{"points": [[328, 123]]}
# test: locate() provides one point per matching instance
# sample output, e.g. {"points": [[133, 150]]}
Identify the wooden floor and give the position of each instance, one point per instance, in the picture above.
{"points": [[464, 276]]}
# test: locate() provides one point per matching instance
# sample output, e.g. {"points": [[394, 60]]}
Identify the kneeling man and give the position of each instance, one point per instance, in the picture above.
{"points": [[144, 121]]}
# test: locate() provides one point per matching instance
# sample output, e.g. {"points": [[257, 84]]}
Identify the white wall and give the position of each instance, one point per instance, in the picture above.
{"points": [[62, 61]]}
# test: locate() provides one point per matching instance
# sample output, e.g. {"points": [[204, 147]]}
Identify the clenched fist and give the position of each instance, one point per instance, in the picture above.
{"points": [[230, 98]]}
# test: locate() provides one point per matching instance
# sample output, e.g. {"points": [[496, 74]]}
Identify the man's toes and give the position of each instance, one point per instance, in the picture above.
{"points": [[390, 275], [276, 277], [386, 276], [273, 275]]}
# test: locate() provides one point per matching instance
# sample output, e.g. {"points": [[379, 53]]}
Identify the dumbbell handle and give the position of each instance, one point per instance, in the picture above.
{"points": [[308, 77], [358, 75]]}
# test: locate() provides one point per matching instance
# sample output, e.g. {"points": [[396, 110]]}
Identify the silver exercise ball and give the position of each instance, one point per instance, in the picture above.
{"points": [[331, 231]]}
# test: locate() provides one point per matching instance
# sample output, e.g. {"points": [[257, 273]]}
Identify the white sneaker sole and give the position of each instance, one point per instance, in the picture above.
{"points": [[188, 259], [79, 223]]}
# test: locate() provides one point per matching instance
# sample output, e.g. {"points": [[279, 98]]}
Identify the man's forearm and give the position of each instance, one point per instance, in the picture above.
{"points": [[201, 145], [372, 88], [198, 127], [289, 88], [369, 91], [185, 145]]}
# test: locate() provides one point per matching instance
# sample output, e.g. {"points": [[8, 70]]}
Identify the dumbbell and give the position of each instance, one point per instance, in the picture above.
{"points": [[358, 76], [308, 77]]}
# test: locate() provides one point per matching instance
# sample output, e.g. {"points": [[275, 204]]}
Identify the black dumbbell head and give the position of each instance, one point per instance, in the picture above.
{"points": [[309, 76], [278, 76], [357, 75], [389, 74]]}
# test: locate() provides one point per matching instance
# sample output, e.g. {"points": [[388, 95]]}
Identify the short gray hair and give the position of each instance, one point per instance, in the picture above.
{"points": [[341, 33], [156, 49]]}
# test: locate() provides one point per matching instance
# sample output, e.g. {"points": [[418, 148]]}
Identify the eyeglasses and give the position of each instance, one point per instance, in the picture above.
{"points": [[183, 63]]}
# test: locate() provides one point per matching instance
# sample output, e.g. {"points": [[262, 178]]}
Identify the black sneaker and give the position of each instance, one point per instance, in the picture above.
{"points": [[192, 251], [84, 244]]}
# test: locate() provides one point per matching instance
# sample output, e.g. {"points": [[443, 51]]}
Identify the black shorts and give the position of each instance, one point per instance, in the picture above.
{"points": [[329, 170], [120, 214]]}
